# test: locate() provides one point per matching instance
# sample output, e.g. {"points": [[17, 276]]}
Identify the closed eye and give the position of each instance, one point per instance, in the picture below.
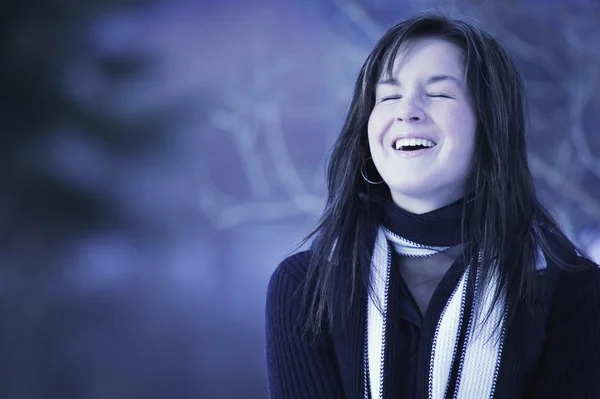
{"points": [[396, 97], [439, 95]]}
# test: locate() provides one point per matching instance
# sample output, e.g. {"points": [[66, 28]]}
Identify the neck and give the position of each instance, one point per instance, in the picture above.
{"points": [[427, 203]]}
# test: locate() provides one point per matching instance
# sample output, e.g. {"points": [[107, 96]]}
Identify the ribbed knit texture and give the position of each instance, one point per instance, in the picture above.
{"points": [[440, 227], [299, 367], [553, 352]]}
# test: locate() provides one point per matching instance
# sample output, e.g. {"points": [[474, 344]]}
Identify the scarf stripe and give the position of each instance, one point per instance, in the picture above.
{"points": [[447, 337], [377, 305], [481, 351], [463, 339], [377, 314]]}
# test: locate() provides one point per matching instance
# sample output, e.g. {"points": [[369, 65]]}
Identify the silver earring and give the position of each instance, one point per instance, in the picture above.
{"points": [[364, 174]]}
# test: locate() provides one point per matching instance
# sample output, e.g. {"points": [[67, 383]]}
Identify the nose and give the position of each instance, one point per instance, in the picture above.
{"points": [[408, 110]]}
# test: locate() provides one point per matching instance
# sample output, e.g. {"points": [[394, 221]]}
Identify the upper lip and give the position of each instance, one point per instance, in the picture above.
{"points": [[412, 135]]}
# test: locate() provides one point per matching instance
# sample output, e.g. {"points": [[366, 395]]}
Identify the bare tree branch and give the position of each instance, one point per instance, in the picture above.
{"points": [[228, 216], [358, 15], [582, 87], [251, 113], [254, 115], [279, 151], [544, 171], [243, 140]]}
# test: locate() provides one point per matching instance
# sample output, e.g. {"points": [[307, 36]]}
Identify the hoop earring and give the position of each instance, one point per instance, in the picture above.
{"points": [[364, 174]]}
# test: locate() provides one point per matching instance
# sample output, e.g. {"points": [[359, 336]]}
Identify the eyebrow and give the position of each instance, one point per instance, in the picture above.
{"points": [[431, 80]]}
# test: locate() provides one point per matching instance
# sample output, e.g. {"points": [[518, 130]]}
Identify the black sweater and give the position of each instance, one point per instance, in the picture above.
{"points": [[558, 357], [551, 350]]}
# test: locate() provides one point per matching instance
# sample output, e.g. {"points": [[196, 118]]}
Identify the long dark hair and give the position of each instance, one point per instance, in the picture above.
{"points": [[508, 224]]}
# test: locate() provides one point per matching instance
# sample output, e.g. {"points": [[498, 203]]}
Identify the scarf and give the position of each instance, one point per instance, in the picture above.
{"points": [[479, 350]]}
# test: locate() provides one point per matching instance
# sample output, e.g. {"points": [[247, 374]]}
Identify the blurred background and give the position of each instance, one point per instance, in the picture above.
{"points": [[159, 159]]}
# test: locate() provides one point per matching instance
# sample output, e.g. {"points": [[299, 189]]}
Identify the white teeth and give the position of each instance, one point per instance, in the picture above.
{"points": [[413, 142]]}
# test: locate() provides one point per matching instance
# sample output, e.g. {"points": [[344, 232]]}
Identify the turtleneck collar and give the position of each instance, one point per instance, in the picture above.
{"points": [[440, 227]]}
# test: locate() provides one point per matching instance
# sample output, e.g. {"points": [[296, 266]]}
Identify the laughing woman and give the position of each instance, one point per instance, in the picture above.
{"points": [[435, 272]]}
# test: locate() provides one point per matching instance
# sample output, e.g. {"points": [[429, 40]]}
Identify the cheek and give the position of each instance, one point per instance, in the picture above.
{"points": [[461, 125], [376, 125], [372, 128], [466, 142], [470, 134], [460, 128]]}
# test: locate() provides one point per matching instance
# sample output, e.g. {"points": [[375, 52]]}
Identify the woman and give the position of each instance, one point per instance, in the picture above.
{"points": [[435, 273]]}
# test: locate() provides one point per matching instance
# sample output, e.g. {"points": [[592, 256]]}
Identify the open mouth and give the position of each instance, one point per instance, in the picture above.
{"points": [[413, 144], [413, 147]]}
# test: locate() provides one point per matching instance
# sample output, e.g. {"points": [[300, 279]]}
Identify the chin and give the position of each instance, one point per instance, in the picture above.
{"points": [[409, 188]]}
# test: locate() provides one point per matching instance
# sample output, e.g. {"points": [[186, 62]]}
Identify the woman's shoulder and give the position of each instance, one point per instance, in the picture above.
{"points": [[293, 267], [583, 272], [289, 277], [567, 267], [578, 290], [286, 304]]}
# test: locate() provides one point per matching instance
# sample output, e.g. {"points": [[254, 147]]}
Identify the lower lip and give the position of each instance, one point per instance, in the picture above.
{"points": [[410, 154]]}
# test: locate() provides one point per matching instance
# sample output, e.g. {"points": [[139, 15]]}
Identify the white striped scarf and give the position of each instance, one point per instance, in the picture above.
{"points": [[481, 353]]}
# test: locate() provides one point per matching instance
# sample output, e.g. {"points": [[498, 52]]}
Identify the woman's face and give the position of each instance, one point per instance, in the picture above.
{"points": [[422, 126]]}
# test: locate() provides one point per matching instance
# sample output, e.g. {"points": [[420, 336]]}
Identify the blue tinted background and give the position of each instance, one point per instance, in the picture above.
{"points": [[161, 158]]}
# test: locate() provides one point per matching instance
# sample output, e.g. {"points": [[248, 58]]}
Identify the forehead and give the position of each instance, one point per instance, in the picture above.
{"points": [[424, 57]]}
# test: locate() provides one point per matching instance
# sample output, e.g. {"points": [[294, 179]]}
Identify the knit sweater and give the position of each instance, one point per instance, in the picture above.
{"points": [[552, 352]]}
